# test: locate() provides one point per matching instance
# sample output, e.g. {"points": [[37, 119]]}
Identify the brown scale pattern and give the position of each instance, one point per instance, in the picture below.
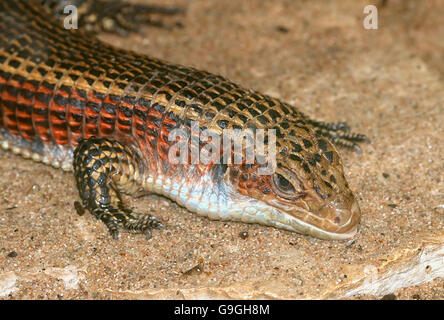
{"points": [[58, 87]]}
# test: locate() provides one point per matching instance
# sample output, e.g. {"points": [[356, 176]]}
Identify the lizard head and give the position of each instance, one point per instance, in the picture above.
{"points": [[306, 193]]}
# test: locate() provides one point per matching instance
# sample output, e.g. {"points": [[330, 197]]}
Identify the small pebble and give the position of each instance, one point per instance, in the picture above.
{"points": [[79, 208], [389, 296], [243, 234], [33, 189], [12, 254], [196, 270], [282, 29]]}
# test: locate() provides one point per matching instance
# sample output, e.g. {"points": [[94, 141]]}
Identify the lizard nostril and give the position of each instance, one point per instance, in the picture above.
{"points": [[337, 220]]}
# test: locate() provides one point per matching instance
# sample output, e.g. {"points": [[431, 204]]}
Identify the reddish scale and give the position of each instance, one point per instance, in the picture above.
{"points": [[250, 183], [75, 117], [123, 121], [2, 108], [154, 114], [10, 117], [23, 107], [91, 115], [41, 118], [264, 184], [107, 123], [162, 143], [243, 183], [25, 123], [59, 125], [139, 123], [245, 174], [168, 121], [23, 100], [65, 93], [151, 127]]}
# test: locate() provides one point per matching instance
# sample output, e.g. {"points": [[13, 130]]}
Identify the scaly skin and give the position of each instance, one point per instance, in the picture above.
{"points": [[71, 101]]}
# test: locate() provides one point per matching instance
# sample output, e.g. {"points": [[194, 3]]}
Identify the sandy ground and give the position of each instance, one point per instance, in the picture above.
{"points": [[386, 83]]}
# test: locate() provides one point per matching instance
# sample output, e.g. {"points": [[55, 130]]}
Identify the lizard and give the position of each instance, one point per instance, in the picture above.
{"points": [[105, 114]]}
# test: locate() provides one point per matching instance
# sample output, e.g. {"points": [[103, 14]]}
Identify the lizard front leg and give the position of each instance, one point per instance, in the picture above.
{"points": [[339, 133], [103, 169]]}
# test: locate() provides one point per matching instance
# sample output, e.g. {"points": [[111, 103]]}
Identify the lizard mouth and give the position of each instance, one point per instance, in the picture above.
{"points": [[337, 220], [345, 223]]}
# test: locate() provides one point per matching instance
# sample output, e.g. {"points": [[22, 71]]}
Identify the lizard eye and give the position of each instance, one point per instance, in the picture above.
{"points": [[286, 185], [283, 184]]}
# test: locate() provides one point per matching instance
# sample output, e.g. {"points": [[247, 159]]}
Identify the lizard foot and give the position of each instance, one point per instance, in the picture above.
{"points": [[103, 169], [340, 134], [126, 220]]}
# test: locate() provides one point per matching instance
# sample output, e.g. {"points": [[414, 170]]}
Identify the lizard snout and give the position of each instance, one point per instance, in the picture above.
{"points": [[342, 216]]}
